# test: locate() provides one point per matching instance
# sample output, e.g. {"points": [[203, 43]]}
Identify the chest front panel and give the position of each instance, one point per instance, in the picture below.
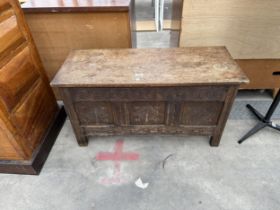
{"points": [[105, 111]]}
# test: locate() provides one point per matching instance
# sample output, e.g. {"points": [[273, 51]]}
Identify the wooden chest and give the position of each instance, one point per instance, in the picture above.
{"points": [[140, 91]]}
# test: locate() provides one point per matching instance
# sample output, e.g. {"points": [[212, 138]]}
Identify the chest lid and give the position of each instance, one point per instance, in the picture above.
{"points": [[149, 67]]}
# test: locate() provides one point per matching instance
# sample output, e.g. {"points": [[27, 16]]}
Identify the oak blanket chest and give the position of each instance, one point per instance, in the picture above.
{"points": [[141, 91]]}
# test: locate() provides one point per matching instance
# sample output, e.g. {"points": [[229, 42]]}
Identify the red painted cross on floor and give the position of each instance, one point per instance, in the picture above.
{"points": [[116, 156]]}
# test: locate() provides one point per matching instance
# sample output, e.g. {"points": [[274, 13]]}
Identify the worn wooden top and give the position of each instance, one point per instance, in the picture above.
{"points": [[39, 6], [148, 67]]}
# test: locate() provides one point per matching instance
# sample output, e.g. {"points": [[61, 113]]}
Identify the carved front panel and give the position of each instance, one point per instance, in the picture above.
{"points": [[94, 113], [148, 108], [147, 113], [200, 113]]}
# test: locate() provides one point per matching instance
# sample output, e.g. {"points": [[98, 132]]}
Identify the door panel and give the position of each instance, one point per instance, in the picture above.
{"points": [[7, 150], [10, 35], [16, 77], [27, 104], [32, 117]]}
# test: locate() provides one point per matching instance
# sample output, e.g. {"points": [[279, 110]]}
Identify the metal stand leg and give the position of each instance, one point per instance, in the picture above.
{"points": [[254, 130], [264, 120], [255, 112], [274, 126]]}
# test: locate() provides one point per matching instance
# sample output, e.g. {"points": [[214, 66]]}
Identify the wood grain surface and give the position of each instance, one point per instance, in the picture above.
{"points": [[263, 73], [248, 28], [149, 67], [27, 104], [56, 35]]}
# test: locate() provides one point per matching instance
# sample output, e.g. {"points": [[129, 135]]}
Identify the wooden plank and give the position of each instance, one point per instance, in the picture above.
{"points": [[193, 93], [248, 28], [149, 67], [148, 129], [57, 6], [263, 73], [57, 34]]}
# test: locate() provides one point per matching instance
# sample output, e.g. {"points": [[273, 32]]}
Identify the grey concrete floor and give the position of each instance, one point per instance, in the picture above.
{"points": [[162, 39], [195, 176]]}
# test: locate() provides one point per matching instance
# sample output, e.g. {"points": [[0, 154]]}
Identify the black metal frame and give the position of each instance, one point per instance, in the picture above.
{"points": [[264, 120]]}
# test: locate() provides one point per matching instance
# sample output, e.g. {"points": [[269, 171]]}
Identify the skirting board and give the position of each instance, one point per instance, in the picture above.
{"points": [[34, 166]]}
